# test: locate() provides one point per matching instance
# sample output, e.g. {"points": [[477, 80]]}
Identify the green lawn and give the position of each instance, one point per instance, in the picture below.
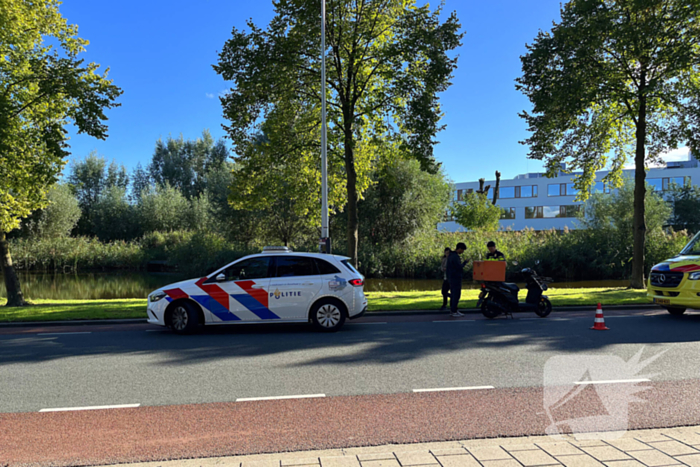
{"points": [[395, 301], [56, 310]]}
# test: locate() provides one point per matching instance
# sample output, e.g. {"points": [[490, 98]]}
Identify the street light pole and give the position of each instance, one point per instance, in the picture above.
{"points": [[325, 236]]}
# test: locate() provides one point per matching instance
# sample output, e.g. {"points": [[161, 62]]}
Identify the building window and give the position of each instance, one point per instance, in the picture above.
{"points": [[533, 212], [460, 196], [569, 211], [561, 189], [508, 213], [551, 212], [506, 192], [664, 184], [527, 191]]}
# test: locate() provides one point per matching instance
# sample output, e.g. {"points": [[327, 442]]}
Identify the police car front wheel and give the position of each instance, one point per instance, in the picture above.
{"points": [[183, 318], [328, 315]]}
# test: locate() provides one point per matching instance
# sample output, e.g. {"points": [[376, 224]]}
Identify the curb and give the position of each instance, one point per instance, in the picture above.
{"points": [[469, 311]]}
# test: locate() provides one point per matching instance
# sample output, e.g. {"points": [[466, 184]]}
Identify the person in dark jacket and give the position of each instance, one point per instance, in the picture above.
{"points": [[445, 282], [455, 267]]}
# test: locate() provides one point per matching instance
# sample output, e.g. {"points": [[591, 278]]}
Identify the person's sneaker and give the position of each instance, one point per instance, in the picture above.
{"points": [[456, 314], [443, 308]]}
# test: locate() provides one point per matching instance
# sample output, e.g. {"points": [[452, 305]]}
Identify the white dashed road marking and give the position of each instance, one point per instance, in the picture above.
{"points": [[303, 396], [94, 407], [470, 388]]}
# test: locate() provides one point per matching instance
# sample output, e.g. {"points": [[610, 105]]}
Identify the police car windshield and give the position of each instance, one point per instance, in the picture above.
{"points": [[693, 248]]}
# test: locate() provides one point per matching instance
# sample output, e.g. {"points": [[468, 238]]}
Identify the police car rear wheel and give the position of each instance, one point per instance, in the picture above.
{"points": [[184, 318], [328, 316]]}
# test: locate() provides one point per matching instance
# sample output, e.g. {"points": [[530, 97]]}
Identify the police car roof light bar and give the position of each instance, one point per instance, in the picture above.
{"points": [[277, 248]]}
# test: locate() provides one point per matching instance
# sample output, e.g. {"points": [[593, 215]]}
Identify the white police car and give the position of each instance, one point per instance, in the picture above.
{"points": [[276, 286]]}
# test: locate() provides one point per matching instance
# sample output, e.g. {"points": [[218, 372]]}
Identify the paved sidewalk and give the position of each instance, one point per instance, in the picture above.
{"points": [[650, 448]]}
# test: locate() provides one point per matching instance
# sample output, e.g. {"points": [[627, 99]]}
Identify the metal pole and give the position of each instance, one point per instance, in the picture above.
{"points": [[324, 164]]}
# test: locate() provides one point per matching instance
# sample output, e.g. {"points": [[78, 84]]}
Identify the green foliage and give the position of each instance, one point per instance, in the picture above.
{"points": [[43, 87], [593, 75], [91, 179], [184, 164], [402, 200], [164, 208], [567, 256], [113, 217], [609, 219], [376, 104], [685, 201], [57, 219], [477, 212]]}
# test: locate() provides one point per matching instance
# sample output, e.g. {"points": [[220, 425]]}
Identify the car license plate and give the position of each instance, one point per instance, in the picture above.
{"points": [[662, 301]]}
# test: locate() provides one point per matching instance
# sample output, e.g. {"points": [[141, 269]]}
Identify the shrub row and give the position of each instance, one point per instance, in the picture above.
{"points": [[569, 255]]}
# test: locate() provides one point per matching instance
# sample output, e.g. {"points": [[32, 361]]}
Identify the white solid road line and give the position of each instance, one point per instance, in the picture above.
{"points": [[95, 407], [62, 333], [614, 381], [471, 388], [303, 396]]}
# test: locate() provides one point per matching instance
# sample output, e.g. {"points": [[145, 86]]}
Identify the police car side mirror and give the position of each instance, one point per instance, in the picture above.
{"points": [[221, 277]]}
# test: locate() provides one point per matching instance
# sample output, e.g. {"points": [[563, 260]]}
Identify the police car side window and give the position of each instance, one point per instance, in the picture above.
{"points": [[324, 267], [290, 266], [254, 268]]}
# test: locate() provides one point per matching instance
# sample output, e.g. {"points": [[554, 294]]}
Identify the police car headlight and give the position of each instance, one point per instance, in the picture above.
{"points": [[694, 276], [156, 296]]}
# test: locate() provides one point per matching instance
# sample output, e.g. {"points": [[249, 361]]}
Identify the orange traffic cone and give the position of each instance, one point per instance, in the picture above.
{"points": [[599, 323]]}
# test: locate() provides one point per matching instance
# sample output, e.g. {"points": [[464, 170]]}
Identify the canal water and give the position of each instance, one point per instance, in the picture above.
{"points": [[139, 285]]}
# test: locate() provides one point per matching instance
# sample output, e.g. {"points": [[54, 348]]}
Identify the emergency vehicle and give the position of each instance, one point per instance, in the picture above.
{"points": [[275, 286], [675, 283]]}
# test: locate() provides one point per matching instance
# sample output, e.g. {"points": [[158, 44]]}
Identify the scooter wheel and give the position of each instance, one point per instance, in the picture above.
{"points": [[490, 314], [544, 308]]}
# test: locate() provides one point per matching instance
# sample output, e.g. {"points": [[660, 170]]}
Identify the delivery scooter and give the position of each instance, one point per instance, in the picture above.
{"points": [[498, 298]]}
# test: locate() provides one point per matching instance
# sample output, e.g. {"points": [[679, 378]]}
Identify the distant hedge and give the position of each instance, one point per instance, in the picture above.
{"points": [[569, 255]]}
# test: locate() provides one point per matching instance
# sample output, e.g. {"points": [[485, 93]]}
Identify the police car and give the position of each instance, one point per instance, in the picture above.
{"points": [[275, 286]]}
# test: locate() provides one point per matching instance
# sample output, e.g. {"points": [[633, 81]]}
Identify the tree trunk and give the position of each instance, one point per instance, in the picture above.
{"points": [[14, 291], [640, 226], [498, 185], [353, 219]]}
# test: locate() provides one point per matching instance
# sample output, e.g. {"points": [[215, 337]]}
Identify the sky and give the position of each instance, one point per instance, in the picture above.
{"points": [[161, 55]]}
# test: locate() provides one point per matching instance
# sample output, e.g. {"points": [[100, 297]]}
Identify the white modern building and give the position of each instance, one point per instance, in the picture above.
{"points": [[534, 201]]}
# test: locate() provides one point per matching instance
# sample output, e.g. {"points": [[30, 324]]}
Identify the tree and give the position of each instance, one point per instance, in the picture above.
{"points": [[43, 87], [614, 79], [140, 181], [610, 217], [57, 219], [278, 174], [163, 209], [183, 164], [113, 217], [90, 178], [476, 212], [403, 200], [685, 202], [387, 63]]}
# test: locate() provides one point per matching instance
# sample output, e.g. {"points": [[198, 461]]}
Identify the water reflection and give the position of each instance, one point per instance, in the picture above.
{"points": [[139, 285]]}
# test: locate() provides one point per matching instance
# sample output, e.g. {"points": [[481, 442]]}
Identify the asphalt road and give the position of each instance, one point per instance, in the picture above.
{"points": [[151, 367]]}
